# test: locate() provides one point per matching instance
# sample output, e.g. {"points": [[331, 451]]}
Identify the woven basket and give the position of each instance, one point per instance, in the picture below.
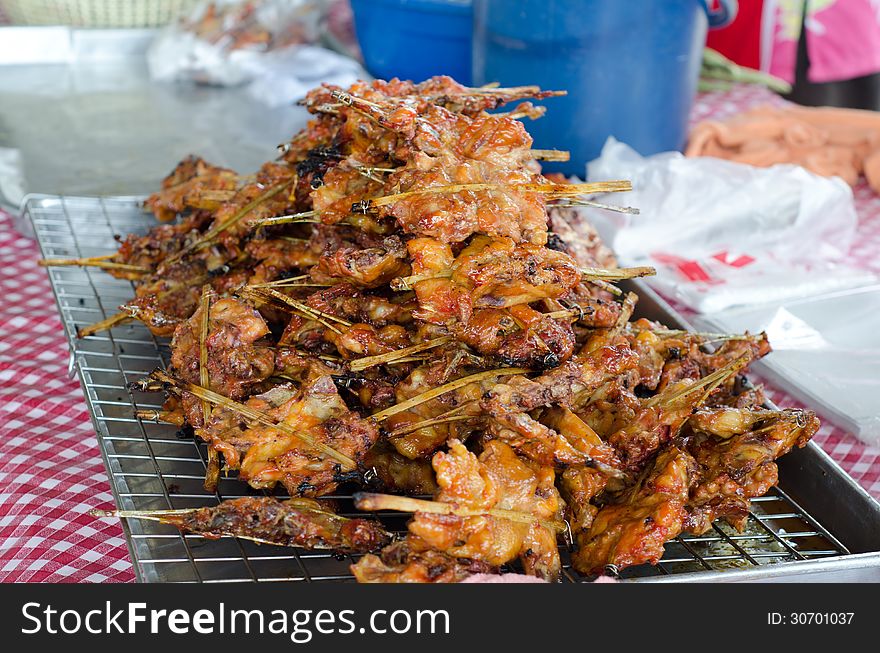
{"points": [[94, 13]]}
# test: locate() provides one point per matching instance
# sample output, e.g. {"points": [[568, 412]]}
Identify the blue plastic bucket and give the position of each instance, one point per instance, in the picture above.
{"points": [[415, 39], [630, 68]]}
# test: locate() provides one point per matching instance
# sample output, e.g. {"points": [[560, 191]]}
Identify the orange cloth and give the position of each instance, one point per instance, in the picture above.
{"points": [[826, 141]]}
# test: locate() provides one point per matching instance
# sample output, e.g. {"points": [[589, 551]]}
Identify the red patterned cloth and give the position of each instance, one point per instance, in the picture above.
{"points": [[51, 473]]}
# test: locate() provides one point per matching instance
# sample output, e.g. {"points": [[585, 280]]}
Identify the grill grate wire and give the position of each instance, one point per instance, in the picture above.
{"points": [[152, 467]]}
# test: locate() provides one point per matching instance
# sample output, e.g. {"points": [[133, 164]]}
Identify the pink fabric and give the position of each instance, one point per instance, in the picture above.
{"points": [[51, 473], [518, 578], [501, 578], [781, 29], [843, 38]]}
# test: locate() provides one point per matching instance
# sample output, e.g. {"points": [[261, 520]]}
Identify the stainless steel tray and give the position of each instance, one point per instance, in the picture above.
{"points": [[87, 119], [818, 525]]}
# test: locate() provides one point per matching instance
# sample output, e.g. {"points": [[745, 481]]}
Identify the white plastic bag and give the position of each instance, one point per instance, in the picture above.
{"points": [[825, 353], [225, 42], [723, 234], [12, 186], [287, 75]]}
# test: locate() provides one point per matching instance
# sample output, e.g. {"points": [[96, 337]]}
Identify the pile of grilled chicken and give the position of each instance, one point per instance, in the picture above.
{"points": [[401, 301]]}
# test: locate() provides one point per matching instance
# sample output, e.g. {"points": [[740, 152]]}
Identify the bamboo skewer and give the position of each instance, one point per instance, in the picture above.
{"points": [[103, 325], [724, 374], [152, 515], [617, 274], [254, 415], [520, 91], [628, 306], [305, 307], [533, 113], [323, 357], [550, 155], [390, 357], [409, 359], [166, 416], [370, 172], [264, 295], [289, 282], [347, 99], [559, 190], [708, 383], [708, 337], [370, 501], [411, 428], [102, 257], [298, 504], [102, 262], [204, 326], [293, 218], [243, 212], [607, 287], [278, 282], [591, 274], [230, 176], [460, 408], [571, 202], [602, 278], [449, 416], [236, 217], [75, 261], [428, 395]]}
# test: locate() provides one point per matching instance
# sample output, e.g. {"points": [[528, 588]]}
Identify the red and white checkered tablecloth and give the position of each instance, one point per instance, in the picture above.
{"points": [[51, 473]]}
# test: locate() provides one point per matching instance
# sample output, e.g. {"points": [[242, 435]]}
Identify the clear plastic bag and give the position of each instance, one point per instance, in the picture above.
{"points": [[225, 42], [723, 234]]}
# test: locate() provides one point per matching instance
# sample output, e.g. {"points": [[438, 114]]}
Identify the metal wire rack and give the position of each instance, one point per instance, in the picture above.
{"points": [[153, 466]]}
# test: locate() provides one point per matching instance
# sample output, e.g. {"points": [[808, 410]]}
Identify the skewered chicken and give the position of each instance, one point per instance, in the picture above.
{"points": [[634, 530], [735, 449], [493, 508], [295, 522], [497, 479], [193, 184], [236, 361], [403, 301]]}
